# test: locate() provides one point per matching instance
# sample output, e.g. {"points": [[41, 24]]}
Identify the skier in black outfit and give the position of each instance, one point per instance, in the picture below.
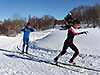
{"points": [[69, 42]]}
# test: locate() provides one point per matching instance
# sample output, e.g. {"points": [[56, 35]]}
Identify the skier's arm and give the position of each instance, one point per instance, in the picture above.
{"points": [[66, 20], [23, 30], [32, 30], [86, 32], [77, 33]]}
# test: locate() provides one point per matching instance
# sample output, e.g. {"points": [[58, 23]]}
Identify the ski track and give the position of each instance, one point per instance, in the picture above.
{"points": [[12, 63]]}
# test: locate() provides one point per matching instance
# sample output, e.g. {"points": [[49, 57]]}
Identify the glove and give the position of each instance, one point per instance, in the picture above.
{"points": [[86, 32]]}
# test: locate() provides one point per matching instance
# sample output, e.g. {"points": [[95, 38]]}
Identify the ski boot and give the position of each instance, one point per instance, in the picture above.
{"points": [[55, 60], [71, 61], [27, 53], [22, 52]]}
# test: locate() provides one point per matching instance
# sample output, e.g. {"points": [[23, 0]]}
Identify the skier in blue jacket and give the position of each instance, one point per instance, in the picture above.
{"points": [[26, 31]]}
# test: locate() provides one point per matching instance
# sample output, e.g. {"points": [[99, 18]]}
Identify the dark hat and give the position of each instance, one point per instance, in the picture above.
{"points": [[28, 24]]}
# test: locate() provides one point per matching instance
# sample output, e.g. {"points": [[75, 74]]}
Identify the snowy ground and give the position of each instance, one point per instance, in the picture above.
{"points": [[48, 45]]}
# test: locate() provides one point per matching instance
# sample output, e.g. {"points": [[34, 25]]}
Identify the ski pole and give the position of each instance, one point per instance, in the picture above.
{"points": [[34, 36], [20, 43]]}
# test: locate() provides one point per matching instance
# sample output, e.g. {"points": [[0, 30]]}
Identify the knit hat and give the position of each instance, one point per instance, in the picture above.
{"points": [[28, 24]]}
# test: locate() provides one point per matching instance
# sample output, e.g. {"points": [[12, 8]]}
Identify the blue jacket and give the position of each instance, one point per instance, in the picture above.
{"points": [[27, 31]]}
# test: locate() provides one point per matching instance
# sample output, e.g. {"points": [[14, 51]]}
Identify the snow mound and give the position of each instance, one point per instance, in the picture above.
{"points": [[53, 41]]}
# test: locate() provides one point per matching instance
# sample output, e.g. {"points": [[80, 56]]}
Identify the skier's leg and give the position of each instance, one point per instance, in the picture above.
{"points": [[24, 40], [63, 51], [27, 41], [75, 49]]}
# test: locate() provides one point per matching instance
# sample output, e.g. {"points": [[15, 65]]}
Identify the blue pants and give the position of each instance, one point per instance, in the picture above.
{"points": [[25, 42]]}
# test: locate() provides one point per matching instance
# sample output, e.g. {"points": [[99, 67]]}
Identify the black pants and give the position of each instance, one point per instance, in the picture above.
{"points": [[72, 46]]}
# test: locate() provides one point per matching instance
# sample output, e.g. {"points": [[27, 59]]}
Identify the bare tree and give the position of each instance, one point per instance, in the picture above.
{"points": [[87, 14]]}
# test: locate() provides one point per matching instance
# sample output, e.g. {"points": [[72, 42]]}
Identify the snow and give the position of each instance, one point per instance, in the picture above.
{"points": [[48, 45]]}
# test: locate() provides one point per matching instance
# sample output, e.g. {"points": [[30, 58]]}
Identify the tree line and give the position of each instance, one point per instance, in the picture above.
{"points": [[43, 23], [11, 27], [85, 14]]}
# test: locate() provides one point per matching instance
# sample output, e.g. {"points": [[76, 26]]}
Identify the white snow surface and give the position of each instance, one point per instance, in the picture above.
{"points": [[48, 45]]}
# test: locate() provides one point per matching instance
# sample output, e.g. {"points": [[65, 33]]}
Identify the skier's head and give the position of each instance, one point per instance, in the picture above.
{"points": [[77, 24], [28, 25]]}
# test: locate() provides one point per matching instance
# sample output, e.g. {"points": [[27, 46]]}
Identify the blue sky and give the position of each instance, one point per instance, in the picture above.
{"points": [[56, 8]]}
